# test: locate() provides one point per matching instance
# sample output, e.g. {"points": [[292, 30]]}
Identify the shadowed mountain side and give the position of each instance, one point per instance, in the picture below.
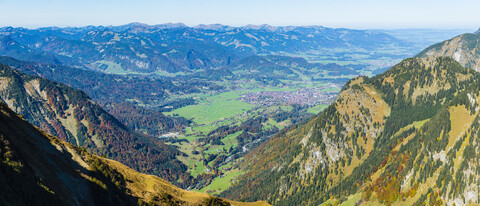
{"points": [[72, 116]]}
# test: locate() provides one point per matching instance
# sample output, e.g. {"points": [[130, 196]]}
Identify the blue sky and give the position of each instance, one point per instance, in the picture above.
{"points": [[332, 13]]}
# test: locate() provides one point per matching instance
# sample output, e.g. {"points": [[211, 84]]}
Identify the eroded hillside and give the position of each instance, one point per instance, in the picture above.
{"points": [[464, 48]]}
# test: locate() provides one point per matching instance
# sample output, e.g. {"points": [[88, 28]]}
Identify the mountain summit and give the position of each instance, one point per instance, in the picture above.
{"points": [[464, 48]]}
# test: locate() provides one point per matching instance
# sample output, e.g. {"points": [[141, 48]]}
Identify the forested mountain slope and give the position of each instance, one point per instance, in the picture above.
{"points": [[72, 116], [407, 136], [39, 169]]}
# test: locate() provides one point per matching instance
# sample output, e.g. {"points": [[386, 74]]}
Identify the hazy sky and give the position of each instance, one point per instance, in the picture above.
{"points": [[332, 13]]}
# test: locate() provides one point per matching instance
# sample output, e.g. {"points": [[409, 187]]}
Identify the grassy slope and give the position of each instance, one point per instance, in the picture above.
{"points": [[149, 186]]}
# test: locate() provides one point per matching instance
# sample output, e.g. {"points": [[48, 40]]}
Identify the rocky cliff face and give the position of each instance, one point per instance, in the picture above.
{"points": [[464, 48]]}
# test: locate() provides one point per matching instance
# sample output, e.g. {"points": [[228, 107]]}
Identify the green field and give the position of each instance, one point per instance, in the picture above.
{"points": [[214, 108], [317, 109], [222, 183], [351, 200]]}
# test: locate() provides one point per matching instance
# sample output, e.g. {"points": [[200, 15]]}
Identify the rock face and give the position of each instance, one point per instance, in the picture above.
{"points": [[464, 48], [72, 116], [39, 169], [407, 136]]}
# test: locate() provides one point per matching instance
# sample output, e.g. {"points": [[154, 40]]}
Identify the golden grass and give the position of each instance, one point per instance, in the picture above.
{"points": [[461, 120], [149, 186]]}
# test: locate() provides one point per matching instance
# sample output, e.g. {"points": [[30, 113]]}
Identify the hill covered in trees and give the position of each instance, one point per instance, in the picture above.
{"points": [[72, 116], [407, 136]]}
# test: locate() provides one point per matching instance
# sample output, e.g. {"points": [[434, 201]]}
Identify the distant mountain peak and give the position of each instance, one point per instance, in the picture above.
{"points": [[142, 27], [261, 27], [137, 24], [6, 30], [463, 48], [216, 27], [135, 27], [171, 25]]}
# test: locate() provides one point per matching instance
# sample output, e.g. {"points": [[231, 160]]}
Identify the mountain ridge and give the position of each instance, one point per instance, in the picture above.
{"points": [[463, 48], [175, 48]]}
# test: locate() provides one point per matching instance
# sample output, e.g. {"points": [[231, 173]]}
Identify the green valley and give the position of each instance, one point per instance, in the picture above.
{"points": [[226, 125]]}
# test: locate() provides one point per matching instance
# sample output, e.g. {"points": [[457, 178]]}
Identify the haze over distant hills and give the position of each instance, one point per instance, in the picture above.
{"points": [[423, 38], [176, 48]]}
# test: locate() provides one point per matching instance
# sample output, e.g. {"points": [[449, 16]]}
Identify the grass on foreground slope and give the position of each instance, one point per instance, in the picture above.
{"points": [[219, 184], [149, 186]]}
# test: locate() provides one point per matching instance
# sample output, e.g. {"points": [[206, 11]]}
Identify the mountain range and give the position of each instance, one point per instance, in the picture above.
{"points": [[111, 87], [173, 48]]}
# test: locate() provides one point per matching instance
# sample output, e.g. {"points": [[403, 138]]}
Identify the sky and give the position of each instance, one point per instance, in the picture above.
{"points": [[360, 14]]}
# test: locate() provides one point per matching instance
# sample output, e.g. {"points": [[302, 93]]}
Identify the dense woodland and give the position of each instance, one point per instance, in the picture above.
{"points": [[147, 121]]}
